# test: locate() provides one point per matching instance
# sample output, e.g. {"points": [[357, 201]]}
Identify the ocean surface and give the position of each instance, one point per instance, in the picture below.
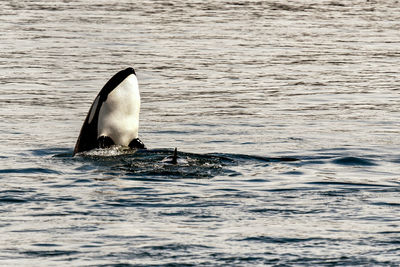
{"points": [[285, 115]]}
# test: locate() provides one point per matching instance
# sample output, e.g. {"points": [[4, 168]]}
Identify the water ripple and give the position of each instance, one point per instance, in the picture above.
{"points": [[284, 113], [29, 171], [353, 161]]}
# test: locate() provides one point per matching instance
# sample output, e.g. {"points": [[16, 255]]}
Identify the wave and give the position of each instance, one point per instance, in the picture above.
{"points": [[155, 163]]}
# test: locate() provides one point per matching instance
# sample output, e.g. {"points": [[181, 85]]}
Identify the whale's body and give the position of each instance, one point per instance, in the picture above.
{"points": [[113, 118]]}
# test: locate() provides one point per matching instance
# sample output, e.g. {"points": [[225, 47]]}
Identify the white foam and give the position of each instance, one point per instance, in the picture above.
{"points": [[112, 151]]}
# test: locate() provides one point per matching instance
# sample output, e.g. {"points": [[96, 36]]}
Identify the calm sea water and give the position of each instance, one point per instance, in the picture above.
{"points": [[285, 113]]}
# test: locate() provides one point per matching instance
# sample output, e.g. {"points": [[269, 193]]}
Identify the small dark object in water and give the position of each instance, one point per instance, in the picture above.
{"points": [[172, 159], [175, 156]]}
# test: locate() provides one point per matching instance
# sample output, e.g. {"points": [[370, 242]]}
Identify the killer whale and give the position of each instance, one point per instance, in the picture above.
{"points": [[113, 118], [172, 159]]}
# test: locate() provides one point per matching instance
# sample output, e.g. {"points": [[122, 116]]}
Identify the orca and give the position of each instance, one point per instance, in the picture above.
{"points": [[172, 159], [113, 118]]}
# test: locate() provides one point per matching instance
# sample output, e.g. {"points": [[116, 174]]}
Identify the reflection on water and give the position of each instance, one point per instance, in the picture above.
{"points": [[242, 89]]}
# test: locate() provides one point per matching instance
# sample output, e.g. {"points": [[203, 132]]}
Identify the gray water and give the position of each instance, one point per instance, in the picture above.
{"points": [[285, 114]]}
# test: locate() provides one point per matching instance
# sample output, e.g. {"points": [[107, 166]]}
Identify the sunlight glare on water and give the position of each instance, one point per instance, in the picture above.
{"points": [[284, 113]]}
